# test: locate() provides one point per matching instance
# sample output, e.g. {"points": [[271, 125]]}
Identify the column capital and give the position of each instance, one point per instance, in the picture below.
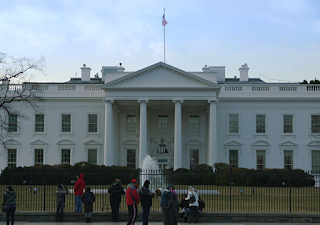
{"points": [[213, 101], [108, 100], [177, 100], [143, 100]]}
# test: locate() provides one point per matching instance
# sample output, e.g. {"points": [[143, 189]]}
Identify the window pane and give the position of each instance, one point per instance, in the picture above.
{"points": [[163, 124], [233, 124], [194, 159], [92, 123], [65, 156], [38, 157], [13, 123], [316, 160], [315, 124], [66, 123], [194, 124], [131, 158], [261, 159], [12, 157], [287, 124], [233, 158], [260, 123], [92, 156], [288, 159], [39, 126], [131, 124]]}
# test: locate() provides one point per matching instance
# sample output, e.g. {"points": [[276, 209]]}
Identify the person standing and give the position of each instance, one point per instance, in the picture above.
{"points": [[173, 208], [115, 191], [78, 192], [9, 201], [165, 197], [132, 197], [193, 198], [146, 201], [61, 192], [88, 199]]}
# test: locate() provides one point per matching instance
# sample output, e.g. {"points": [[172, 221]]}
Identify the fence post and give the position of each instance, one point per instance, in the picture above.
{"points": [[44, 189], [230, 188], [290, 187]]}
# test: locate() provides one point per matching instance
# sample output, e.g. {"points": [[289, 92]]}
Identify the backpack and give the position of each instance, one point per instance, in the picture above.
{"points": [[192, 199], [88, 198]]}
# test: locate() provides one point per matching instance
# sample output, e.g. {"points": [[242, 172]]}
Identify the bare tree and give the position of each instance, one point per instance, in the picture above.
{"points": [[15, 92]]}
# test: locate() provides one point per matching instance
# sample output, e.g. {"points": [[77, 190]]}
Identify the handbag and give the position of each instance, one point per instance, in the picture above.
{"points": [[3, 208]]}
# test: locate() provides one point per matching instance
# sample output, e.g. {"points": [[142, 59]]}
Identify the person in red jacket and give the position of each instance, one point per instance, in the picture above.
{"points": [[78, 192], [132, 197]]}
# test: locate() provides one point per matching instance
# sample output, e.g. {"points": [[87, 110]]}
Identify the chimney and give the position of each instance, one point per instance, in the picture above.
{"points": [[244, 70], [205, 69], [85, 73]]}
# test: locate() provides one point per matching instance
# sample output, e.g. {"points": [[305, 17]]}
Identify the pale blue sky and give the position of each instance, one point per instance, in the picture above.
{"points": [[279, 39]]}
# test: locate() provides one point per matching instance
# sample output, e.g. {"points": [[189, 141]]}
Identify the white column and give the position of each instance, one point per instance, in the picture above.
{"points": [[108, 139], [143, 131], [177, 163], [212, 148]]}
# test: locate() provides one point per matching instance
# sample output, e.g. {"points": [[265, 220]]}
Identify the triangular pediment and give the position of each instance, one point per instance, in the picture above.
{"points": [[233, 143], [160, 75], [38, 142]]}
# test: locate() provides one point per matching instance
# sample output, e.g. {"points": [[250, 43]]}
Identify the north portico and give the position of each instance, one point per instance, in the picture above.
{"points": [[162, 101]]}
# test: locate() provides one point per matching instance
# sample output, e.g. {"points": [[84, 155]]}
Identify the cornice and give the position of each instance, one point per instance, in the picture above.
{"points": [[268, 99], [73, 99], [162, 88]]}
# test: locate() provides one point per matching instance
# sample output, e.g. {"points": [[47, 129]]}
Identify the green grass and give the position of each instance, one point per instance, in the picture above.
{"points": [[265, 199]]}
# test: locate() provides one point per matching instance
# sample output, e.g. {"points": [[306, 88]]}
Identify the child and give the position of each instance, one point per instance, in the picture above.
{"points": [[61, 192], [173, 208], [88, 200]]}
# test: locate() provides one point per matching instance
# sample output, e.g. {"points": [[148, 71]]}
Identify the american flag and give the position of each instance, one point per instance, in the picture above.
{"points": [[164, 22]]}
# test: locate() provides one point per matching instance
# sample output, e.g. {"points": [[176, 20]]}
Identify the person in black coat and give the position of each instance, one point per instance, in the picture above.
{"points": [[173, 207], [115, 191], [88, 199], [185, 210], [146, 201], [61, 192]]}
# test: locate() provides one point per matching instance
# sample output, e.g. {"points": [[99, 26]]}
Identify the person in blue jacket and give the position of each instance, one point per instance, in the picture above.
{"points": [[165, 197]]}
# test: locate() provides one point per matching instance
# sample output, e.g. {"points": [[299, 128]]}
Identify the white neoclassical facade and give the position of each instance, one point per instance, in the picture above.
{"points": [[180, 118]]}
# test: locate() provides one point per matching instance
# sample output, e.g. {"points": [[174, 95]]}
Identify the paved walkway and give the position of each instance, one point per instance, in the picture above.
{"points": [[139, 223]]}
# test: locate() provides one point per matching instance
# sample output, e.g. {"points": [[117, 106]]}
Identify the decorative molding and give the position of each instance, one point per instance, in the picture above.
{"points": [[143, 100], [177, 100], [109, 100]]}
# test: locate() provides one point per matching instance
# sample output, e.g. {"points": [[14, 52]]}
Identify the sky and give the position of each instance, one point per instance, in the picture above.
{"points": [[278, 39]]}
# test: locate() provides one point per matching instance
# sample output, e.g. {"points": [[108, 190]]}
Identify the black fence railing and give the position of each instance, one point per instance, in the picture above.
{"points": [[288, 191]]}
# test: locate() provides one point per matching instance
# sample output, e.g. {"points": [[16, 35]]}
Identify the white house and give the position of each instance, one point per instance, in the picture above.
{"points": [[180, 118]]}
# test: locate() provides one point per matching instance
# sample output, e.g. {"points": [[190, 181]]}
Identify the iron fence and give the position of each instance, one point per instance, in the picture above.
{"points": [[268, 191]]}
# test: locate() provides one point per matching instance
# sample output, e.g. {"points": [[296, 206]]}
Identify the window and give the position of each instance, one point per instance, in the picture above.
{"points": [[131, 124], [194, 159], [65, 156], [315, 124], [163, 124], [163, 164], [233, 158], [12, 157], [261, 159], [316, 160], [233, 123], [92, 156], [131, 158], [260, 124], [66, 123], [288, 159], [287, 124], [13, 123], [92, 123], [39, 123], [38, 157], [194, 124]]}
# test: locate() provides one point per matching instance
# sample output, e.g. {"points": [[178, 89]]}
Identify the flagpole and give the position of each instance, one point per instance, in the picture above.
{"points": [[164, 37]]}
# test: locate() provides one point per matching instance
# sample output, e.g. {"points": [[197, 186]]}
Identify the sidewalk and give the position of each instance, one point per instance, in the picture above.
{"points": [[139, 223]]}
